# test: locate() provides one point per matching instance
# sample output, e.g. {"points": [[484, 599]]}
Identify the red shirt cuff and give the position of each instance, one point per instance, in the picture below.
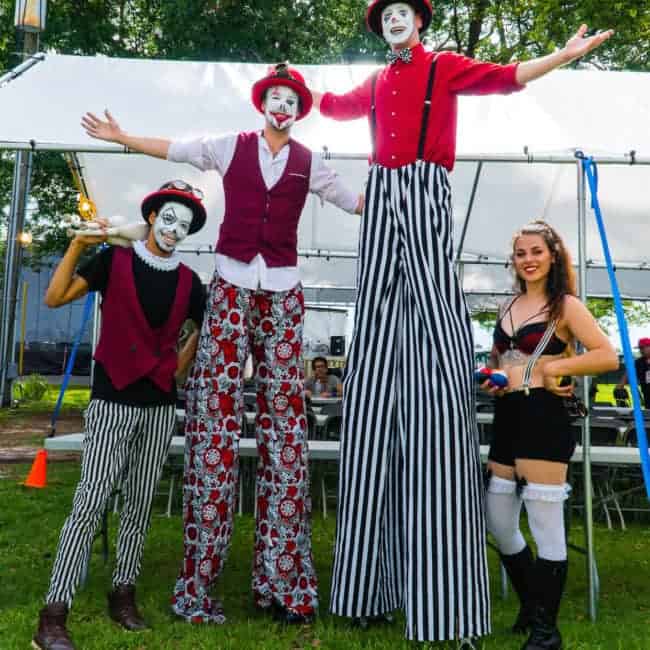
{"points": [[511, 77], [327, 105]]}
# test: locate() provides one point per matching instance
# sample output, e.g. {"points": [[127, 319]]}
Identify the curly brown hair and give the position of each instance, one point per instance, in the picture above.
{"points": [[561, 280]]}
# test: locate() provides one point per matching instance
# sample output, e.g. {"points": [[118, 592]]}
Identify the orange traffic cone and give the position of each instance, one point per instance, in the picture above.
{"points": [[37, 477]]}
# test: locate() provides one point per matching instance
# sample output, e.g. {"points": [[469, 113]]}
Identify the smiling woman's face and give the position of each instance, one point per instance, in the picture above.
{"points": [[531, 257], [398, 23]]}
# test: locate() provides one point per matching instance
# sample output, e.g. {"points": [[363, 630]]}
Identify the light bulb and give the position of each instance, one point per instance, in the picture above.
{"points": [[24, 238], [86, 208]]}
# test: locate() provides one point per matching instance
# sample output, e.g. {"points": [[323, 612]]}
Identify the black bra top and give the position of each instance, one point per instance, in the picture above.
{"points": [[527, 336], [526, 339]]}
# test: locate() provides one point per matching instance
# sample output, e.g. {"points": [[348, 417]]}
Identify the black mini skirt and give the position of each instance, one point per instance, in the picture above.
{"points": [[534, 426]]}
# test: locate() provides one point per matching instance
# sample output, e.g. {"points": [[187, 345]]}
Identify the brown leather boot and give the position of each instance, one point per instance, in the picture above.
{"points": [[52, 633], [123, 610]]}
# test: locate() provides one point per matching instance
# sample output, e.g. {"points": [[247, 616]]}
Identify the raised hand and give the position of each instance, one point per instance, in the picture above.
{"points": [[90, 238], [579, 45], [108, 130]]}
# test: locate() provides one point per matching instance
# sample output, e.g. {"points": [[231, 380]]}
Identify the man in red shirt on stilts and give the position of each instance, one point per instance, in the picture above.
{"points": [[410, 529]]}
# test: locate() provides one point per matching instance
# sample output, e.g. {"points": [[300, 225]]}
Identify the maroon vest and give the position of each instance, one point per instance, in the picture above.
{"points": [[259, 220], [129, 349]]}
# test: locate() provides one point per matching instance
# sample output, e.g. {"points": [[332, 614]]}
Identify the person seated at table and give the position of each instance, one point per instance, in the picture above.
{"points": [[147, 295], [642, 368], [322, 383], [533, 440]]}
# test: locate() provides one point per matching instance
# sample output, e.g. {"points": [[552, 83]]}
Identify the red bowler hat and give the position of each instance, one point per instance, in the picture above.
{"points": [[644, 343], [282, 75], [373, 16], [178, 192]]}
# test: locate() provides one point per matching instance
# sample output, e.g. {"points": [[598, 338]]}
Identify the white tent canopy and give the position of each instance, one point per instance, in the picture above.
{"points": [[598, 112], [603, 113]]}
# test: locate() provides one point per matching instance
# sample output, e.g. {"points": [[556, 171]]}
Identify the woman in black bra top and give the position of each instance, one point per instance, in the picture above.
{"points": [[533, 442]]}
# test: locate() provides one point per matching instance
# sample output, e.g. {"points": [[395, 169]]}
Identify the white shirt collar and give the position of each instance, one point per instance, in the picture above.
{"points": [[155, 261], [283, 154]]}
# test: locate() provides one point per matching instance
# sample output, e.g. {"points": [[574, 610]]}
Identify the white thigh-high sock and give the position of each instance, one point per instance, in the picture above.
{"points": [[503, 510], [545, 508]]}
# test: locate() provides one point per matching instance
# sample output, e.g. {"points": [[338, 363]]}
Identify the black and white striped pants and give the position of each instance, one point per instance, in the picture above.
{"points": [[120, 439], [410, 530]]}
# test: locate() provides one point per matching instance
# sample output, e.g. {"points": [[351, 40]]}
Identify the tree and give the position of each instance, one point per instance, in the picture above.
{"points": [[636, 313], [505, 30], [603, 310], [300, 31]]}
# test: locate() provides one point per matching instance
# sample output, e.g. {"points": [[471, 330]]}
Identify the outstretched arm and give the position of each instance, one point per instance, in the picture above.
{"points": [[110, 131], [576, 47], [327, 184], [348, 106]]}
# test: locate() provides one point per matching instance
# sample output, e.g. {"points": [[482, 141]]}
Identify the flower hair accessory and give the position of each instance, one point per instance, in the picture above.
{"points": [[539, 227]]}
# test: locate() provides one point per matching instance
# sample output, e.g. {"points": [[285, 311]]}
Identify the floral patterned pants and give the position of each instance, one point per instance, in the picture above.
{"points": [[268, 324]]}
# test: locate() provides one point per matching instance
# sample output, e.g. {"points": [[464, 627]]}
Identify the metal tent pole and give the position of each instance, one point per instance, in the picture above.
{"points": [[592, 571], [13, 259], [22, 67], [484, 260], [5, 310], [30, 26], [470, 206], [567, 158]]}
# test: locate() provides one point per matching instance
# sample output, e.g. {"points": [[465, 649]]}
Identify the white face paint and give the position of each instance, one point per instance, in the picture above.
{"points": [[172, 225], [398, 23], [281, 107]]}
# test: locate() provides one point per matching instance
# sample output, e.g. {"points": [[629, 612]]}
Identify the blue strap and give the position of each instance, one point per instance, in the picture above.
{"points": [[88, 306], [591, 172]]}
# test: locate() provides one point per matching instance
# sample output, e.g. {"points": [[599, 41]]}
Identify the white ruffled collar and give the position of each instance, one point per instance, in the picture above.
{"points": [[155, 261]]}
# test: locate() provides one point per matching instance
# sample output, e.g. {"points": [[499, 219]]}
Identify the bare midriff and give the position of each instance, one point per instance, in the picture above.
{"points": [[514, 362]]}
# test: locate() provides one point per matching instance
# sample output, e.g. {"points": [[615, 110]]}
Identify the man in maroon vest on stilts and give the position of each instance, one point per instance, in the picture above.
{"points": [[255, 305], [147, 295]]}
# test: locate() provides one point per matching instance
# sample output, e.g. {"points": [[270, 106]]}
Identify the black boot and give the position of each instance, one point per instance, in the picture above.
{"points": [[364, 622], [52, 633], [123, 610], [550, 578], [520, 568], [291, 616]]}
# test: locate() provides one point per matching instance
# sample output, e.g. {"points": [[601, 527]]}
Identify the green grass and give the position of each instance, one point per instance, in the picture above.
{"points": [[27, 424], [29, 526], [75, 400]]}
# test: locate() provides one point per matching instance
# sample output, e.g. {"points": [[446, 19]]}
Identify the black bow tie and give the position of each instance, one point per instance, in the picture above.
{"points": [[405, 55]]}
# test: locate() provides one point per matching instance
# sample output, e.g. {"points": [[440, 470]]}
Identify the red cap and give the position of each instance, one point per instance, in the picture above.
{"points": [[282, 75], [153, 202], [373, 15]]}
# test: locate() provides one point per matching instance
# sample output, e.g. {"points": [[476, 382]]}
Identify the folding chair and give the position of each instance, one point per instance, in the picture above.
{"points": [[329, 469]]}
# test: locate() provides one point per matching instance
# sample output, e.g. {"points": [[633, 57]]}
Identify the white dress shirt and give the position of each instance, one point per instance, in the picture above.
{"points": [[212, 152]]}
